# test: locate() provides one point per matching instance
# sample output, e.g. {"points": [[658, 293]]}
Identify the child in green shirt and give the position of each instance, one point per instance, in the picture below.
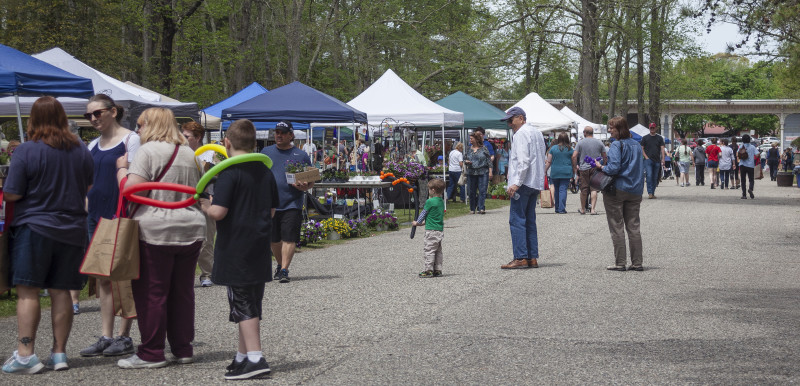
{"points": [[432, 216]]}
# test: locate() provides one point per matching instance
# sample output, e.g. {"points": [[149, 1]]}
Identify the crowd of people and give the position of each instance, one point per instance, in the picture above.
{"points": [[61, 189]]}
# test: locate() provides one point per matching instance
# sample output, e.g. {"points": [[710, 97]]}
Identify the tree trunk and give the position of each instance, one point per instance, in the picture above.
{"points": [[640, 107], [294, 39], [588, 100], [657, 14]]}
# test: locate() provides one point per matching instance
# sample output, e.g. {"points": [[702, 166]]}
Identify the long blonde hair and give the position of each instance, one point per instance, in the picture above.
{"points": [[159, 124]]}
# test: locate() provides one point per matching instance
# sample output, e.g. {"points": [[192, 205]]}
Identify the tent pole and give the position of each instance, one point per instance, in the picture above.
{"points": [[19, 118], [444, 161]]}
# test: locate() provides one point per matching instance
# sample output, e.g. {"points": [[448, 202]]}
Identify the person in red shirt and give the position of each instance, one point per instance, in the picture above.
{"points": [[712, 151]]}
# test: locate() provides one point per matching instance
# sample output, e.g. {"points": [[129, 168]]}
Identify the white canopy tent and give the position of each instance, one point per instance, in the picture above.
{"points": [[392, 99], [598, 129], [641, 130], [133, 98], [542, 115]]}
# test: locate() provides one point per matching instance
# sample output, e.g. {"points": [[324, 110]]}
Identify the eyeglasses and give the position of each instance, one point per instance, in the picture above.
{"points": [[96, 113]]}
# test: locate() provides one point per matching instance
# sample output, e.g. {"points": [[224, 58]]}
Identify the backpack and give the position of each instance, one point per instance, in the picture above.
{"points": [[742, 153]]}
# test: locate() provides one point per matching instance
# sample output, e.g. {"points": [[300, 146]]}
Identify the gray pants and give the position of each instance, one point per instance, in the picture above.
{"points": [[622, 213], [206, 259], [433, 250]]}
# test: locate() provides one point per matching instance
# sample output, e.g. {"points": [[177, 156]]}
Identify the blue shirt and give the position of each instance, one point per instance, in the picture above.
{"points": [[751, 152], [290, 197], [53, 185], [561, 165], [626, 162], [489, 146]]}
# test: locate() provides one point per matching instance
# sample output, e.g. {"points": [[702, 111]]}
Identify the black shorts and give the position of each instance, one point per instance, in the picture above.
{"points": [[286, 226], [245, 302]]}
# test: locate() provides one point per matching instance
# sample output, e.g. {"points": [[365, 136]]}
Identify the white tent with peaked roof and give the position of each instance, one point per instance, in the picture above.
{"points": [[542, 115], [391, 98], [598, 129]]}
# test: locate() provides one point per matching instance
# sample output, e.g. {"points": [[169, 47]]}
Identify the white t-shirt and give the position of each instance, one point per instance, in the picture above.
{"points": [[454, 161], [131, 140], [310, 148]]}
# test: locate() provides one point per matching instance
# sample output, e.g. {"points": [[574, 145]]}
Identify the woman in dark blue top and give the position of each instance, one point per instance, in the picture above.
{"points": [[113, 142]]}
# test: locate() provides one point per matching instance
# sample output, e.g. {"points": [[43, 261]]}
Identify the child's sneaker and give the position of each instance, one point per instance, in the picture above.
{"points": [[13, 365], [57, 361], [437, 273], [426, 274]]}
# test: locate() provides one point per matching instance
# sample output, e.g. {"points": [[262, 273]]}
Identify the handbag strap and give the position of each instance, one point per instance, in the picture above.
{"points": [[160, 176], [121, 212]]}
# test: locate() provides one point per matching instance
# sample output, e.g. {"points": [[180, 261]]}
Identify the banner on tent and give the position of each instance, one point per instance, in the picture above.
{"points": [[262, 134]]}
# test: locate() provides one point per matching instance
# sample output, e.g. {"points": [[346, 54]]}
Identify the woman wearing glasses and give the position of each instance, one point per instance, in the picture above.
{"points": [[114, 141]]}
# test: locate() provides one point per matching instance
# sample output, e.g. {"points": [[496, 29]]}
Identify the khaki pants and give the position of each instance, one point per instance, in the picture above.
{"points": [[622, 213], [433, 250], [206, 259], [585, 176]]}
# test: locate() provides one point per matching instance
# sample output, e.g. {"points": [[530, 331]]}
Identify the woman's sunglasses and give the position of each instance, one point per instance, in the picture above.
{"points": [[96, 114]]}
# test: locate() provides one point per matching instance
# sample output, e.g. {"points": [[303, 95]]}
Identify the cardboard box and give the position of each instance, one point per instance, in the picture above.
{"points": [[311, 174]]}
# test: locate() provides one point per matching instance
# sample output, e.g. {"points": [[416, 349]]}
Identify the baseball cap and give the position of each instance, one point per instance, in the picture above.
{"points": [[284, 126], [513, 112], [652, 125]]}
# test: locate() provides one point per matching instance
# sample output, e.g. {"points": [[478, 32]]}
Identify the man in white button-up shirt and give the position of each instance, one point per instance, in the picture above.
{"points": [[525, 180]]}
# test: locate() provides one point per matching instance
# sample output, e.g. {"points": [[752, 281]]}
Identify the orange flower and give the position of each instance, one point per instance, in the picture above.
{"points": [[411, 190]]}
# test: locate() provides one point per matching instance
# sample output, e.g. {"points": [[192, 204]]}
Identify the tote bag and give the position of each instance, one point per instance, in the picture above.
{"points": [[113, 252]]}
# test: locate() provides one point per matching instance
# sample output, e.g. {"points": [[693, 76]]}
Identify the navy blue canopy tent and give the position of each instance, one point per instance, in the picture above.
{"points": [[22, 74], [211, 115], [294, 102]]}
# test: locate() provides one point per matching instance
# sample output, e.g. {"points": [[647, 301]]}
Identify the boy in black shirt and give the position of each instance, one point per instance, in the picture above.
{"points": [[244, 201]]}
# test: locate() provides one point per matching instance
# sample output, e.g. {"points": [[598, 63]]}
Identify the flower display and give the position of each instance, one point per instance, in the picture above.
{"points": [[358, 227], [293, 166], [337, 225], [311, 231], [380, 217], [406, 169]]}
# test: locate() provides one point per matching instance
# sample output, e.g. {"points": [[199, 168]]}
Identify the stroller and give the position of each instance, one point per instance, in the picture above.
{"points": [[667, 172]]}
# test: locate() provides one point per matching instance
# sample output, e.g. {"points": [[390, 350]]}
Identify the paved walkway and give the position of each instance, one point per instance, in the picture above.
{"points": [[719, 302]]}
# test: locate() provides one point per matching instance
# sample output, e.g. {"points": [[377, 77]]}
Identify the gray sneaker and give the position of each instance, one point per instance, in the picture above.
{"points": [[122, 345], [97, 348]]}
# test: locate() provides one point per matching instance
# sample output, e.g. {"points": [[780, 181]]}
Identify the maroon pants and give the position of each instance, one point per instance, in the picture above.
{"points": [[164, 296]]}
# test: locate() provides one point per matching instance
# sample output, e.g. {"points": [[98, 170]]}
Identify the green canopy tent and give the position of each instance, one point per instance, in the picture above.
{"points": [[476, 112]]}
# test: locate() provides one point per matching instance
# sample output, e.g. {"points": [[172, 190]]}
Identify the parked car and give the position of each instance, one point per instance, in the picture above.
{"points": [[764, 148], [768, 140]]}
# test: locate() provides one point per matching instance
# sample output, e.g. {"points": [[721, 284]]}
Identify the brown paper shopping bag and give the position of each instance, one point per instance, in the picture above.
{"points": [[121, 292], [113, 253]]}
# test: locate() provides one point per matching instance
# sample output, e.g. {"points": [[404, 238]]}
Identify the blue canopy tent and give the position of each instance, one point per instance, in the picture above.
{"points": [[211, 115], [22, 74], [294, 102]]}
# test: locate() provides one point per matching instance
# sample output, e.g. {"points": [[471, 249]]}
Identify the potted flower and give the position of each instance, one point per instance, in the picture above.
{"points": [[358, 227], [406, 169], [336, 228], [382, 220], [310, 232]]}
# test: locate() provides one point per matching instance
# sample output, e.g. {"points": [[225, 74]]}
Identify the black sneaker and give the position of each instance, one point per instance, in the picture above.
{"points": [[437, 273], [277, 273], [285, 276], [249, 370], [234, 364]]}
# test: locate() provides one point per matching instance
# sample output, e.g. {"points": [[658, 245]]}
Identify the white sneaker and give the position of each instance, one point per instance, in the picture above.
{"points": [[134, 362], [206, 283]]}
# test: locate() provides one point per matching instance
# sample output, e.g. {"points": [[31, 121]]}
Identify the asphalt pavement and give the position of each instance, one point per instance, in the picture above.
{"points": [[718, 302]]}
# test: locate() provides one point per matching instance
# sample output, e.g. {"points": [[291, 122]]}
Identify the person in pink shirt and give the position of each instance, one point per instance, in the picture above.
{"points": [[712, 151]]}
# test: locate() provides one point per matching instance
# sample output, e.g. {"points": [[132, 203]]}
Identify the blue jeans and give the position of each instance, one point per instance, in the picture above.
{"points": [[452, 185], [560, 185], [652, 170], [522, 221], [476, 186]]}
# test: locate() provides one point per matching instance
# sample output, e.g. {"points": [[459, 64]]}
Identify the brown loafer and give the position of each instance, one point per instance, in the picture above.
{"points": [[516, 264], [532, 263]]}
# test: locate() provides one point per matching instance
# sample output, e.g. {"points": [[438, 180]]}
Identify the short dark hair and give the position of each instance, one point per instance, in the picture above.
{"points": [[242, 135], [621, 125], [437, 185], [746, 138]]}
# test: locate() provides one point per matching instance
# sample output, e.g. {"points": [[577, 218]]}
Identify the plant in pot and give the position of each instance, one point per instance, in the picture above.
{"points": [[336, 228], [499, 191], [310, 232], [382, 220]]}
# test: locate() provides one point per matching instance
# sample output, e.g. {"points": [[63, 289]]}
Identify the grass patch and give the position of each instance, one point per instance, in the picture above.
{"points": [[8, 301]]}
